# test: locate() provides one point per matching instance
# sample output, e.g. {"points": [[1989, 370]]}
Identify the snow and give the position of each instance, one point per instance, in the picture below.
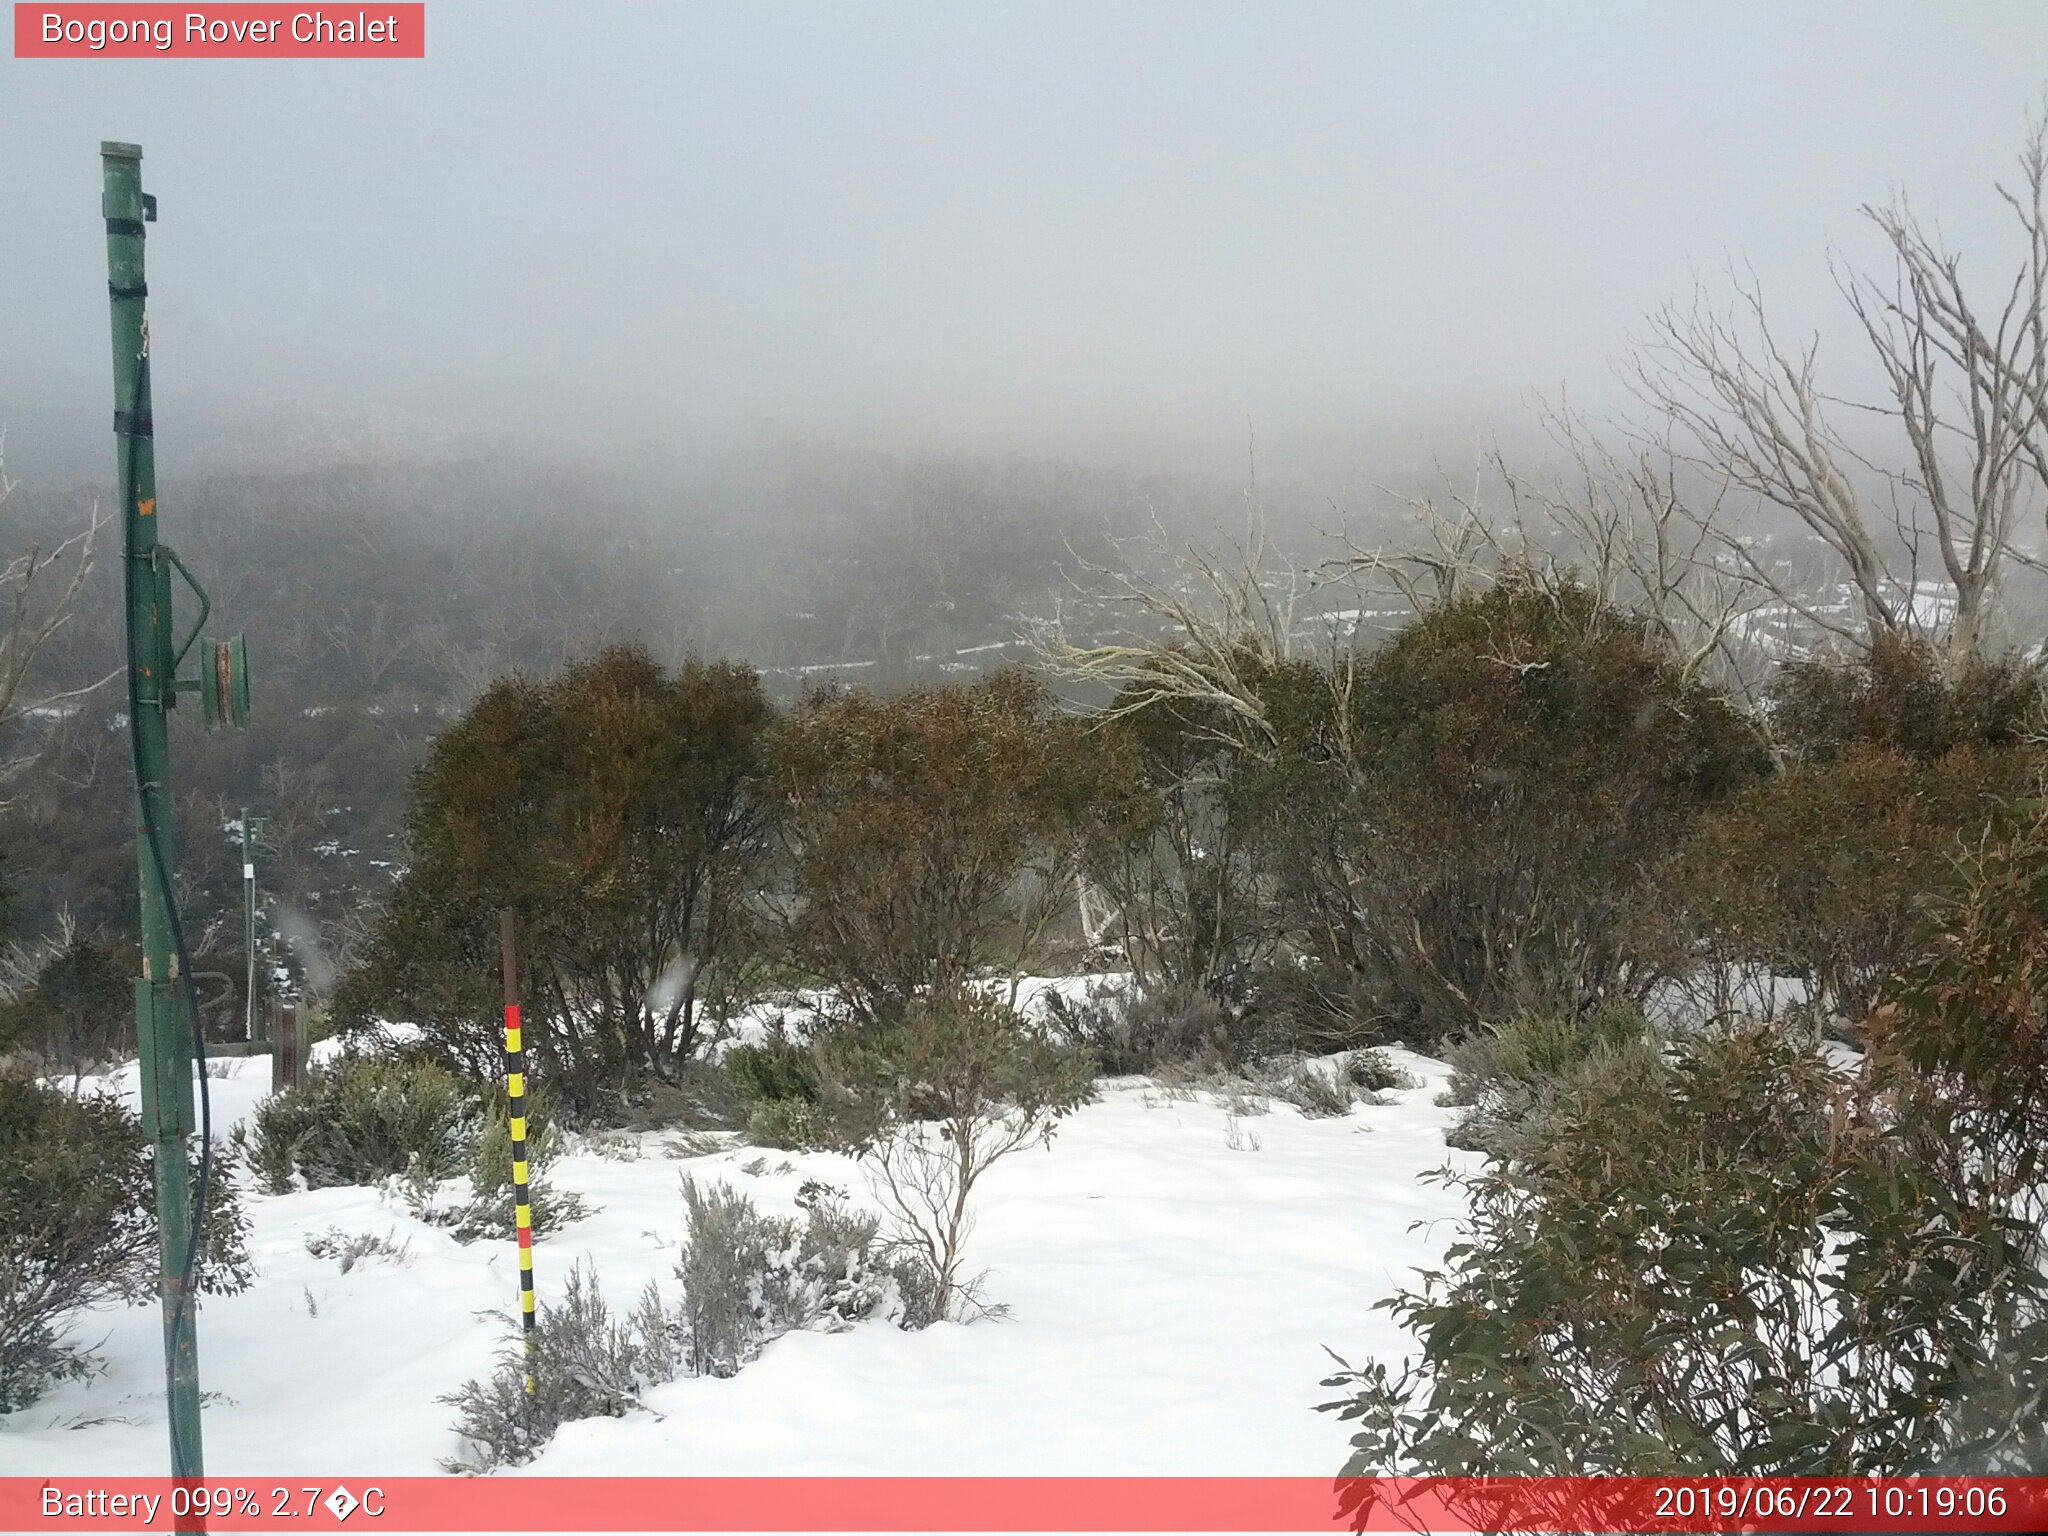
{"points": [[1169, 1302]]}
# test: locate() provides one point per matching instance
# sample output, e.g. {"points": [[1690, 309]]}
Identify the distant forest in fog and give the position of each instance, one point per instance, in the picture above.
{"points": [[378, 601]]}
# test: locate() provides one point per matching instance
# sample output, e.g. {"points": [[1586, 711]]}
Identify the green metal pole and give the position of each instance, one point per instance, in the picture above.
{"points": [[162, 1034], [248, 930]]}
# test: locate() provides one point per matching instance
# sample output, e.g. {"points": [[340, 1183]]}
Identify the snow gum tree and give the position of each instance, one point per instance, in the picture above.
{"points": [[932, 835], [617, 811]]}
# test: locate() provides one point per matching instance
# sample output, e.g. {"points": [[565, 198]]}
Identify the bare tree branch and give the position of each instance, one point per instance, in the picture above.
{"points": [[39, 590], [1966, 390]]}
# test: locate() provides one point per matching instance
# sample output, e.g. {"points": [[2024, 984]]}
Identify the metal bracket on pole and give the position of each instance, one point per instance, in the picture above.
{"points": [[205, 607]]}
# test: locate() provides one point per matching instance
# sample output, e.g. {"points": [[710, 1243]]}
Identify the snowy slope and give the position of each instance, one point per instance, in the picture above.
{"points": [[1170, 1296]]}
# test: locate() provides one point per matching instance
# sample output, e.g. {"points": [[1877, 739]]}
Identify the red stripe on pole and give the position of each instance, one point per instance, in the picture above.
{"points": [[511, 1016], [1193, 1504], [526, 1237]]}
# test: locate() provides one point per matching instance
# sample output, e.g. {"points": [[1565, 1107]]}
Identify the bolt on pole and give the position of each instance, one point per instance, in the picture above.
{"points": [[161, 1027]]}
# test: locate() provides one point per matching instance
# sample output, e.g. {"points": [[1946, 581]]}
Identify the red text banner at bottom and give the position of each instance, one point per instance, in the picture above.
{"points": [[930, 1504]]}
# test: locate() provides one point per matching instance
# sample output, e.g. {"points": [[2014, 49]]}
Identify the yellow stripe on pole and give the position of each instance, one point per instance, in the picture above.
{"points": [[523, 1214], [515, 1084], [512, 1040], [519, 1127], [518, 1170], [526, 1301], [526, 1259]]}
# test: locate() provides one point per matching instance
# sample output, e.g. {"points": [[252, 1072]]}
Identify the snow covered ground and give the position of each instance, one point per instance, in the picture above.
{"points": [[1173, 1273]]}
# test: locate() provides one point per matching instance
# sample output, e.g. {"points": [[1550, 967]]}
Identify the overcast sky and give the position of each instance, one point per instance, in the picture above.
{"points": [[1104, 231]]}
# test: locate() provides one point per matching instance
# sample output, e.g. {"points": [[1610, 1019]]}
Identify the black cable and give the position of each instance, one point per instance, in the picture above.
{"points": [[152, 836]]}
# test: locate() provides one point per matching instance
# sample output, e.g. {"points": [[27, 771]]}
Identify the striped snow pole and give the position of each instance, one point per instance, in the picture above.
{"points": [[515, 1102]]}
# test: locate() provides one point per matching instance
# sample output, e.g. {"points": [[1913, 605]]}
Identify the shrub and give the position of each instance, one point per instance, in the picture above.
{"points": [[359, 1119], [777, 1068], [1317, 1089], [748, 1278], [1899, 699], [1969, 1014], [1373, 1073], [1520, 762], [1962, 1037], [79, 1013], [490, 1210], [725, 1259], [1502, 1068], [584, 1364], [348, 1249], [1819, 872], [1318, 1093], [1744, 1264], [775, 1083], [932, 1105], [1313, 1007], [1178, 838], [789, 1125], [1140, 1032], [75, 1211], [78, 1228], [934, 835], [1893, 767], [1504, 1075]]}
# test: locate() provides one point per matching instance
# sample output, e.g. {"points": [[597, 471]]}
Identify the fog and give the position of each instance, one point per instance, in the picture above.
{"points": [[1142, 235]]}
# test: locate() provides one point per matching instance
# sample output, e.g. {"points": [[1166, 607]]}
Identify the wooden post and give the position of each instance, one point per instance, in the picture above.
{"points": [[288, 1050]]}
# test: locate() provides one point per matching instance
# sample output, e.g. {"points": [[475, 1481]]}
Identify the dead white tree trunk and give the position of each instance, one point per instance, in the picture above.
{"points": [[39, 589], [1966, 392]]}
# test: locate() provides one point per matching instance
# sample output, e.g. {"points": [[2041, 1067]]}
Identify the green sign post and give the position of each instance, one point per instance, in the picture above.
{"points": [[250, 830]]}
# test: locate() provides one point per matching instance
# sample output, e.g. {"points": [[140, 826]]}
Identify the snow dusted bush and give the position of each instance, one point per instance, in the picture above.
{"points": [[1503, 1074], [359, 1119], [488, 1212], [78, 1230], [348, 1249], [749, 1278], [1370, 1071], [723, 1269], [1318, 1093], [584, 1364]]}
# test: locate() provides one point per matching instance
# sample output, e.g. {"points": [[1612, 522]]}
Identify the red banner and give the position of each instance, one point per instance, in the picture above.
{"points": [[371, 30], [1250, 1504]]}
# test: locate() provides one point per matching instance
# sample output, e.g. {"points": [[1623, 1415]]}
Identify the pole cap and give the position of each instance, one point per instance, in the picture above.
{"points": [[113, 149]]}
